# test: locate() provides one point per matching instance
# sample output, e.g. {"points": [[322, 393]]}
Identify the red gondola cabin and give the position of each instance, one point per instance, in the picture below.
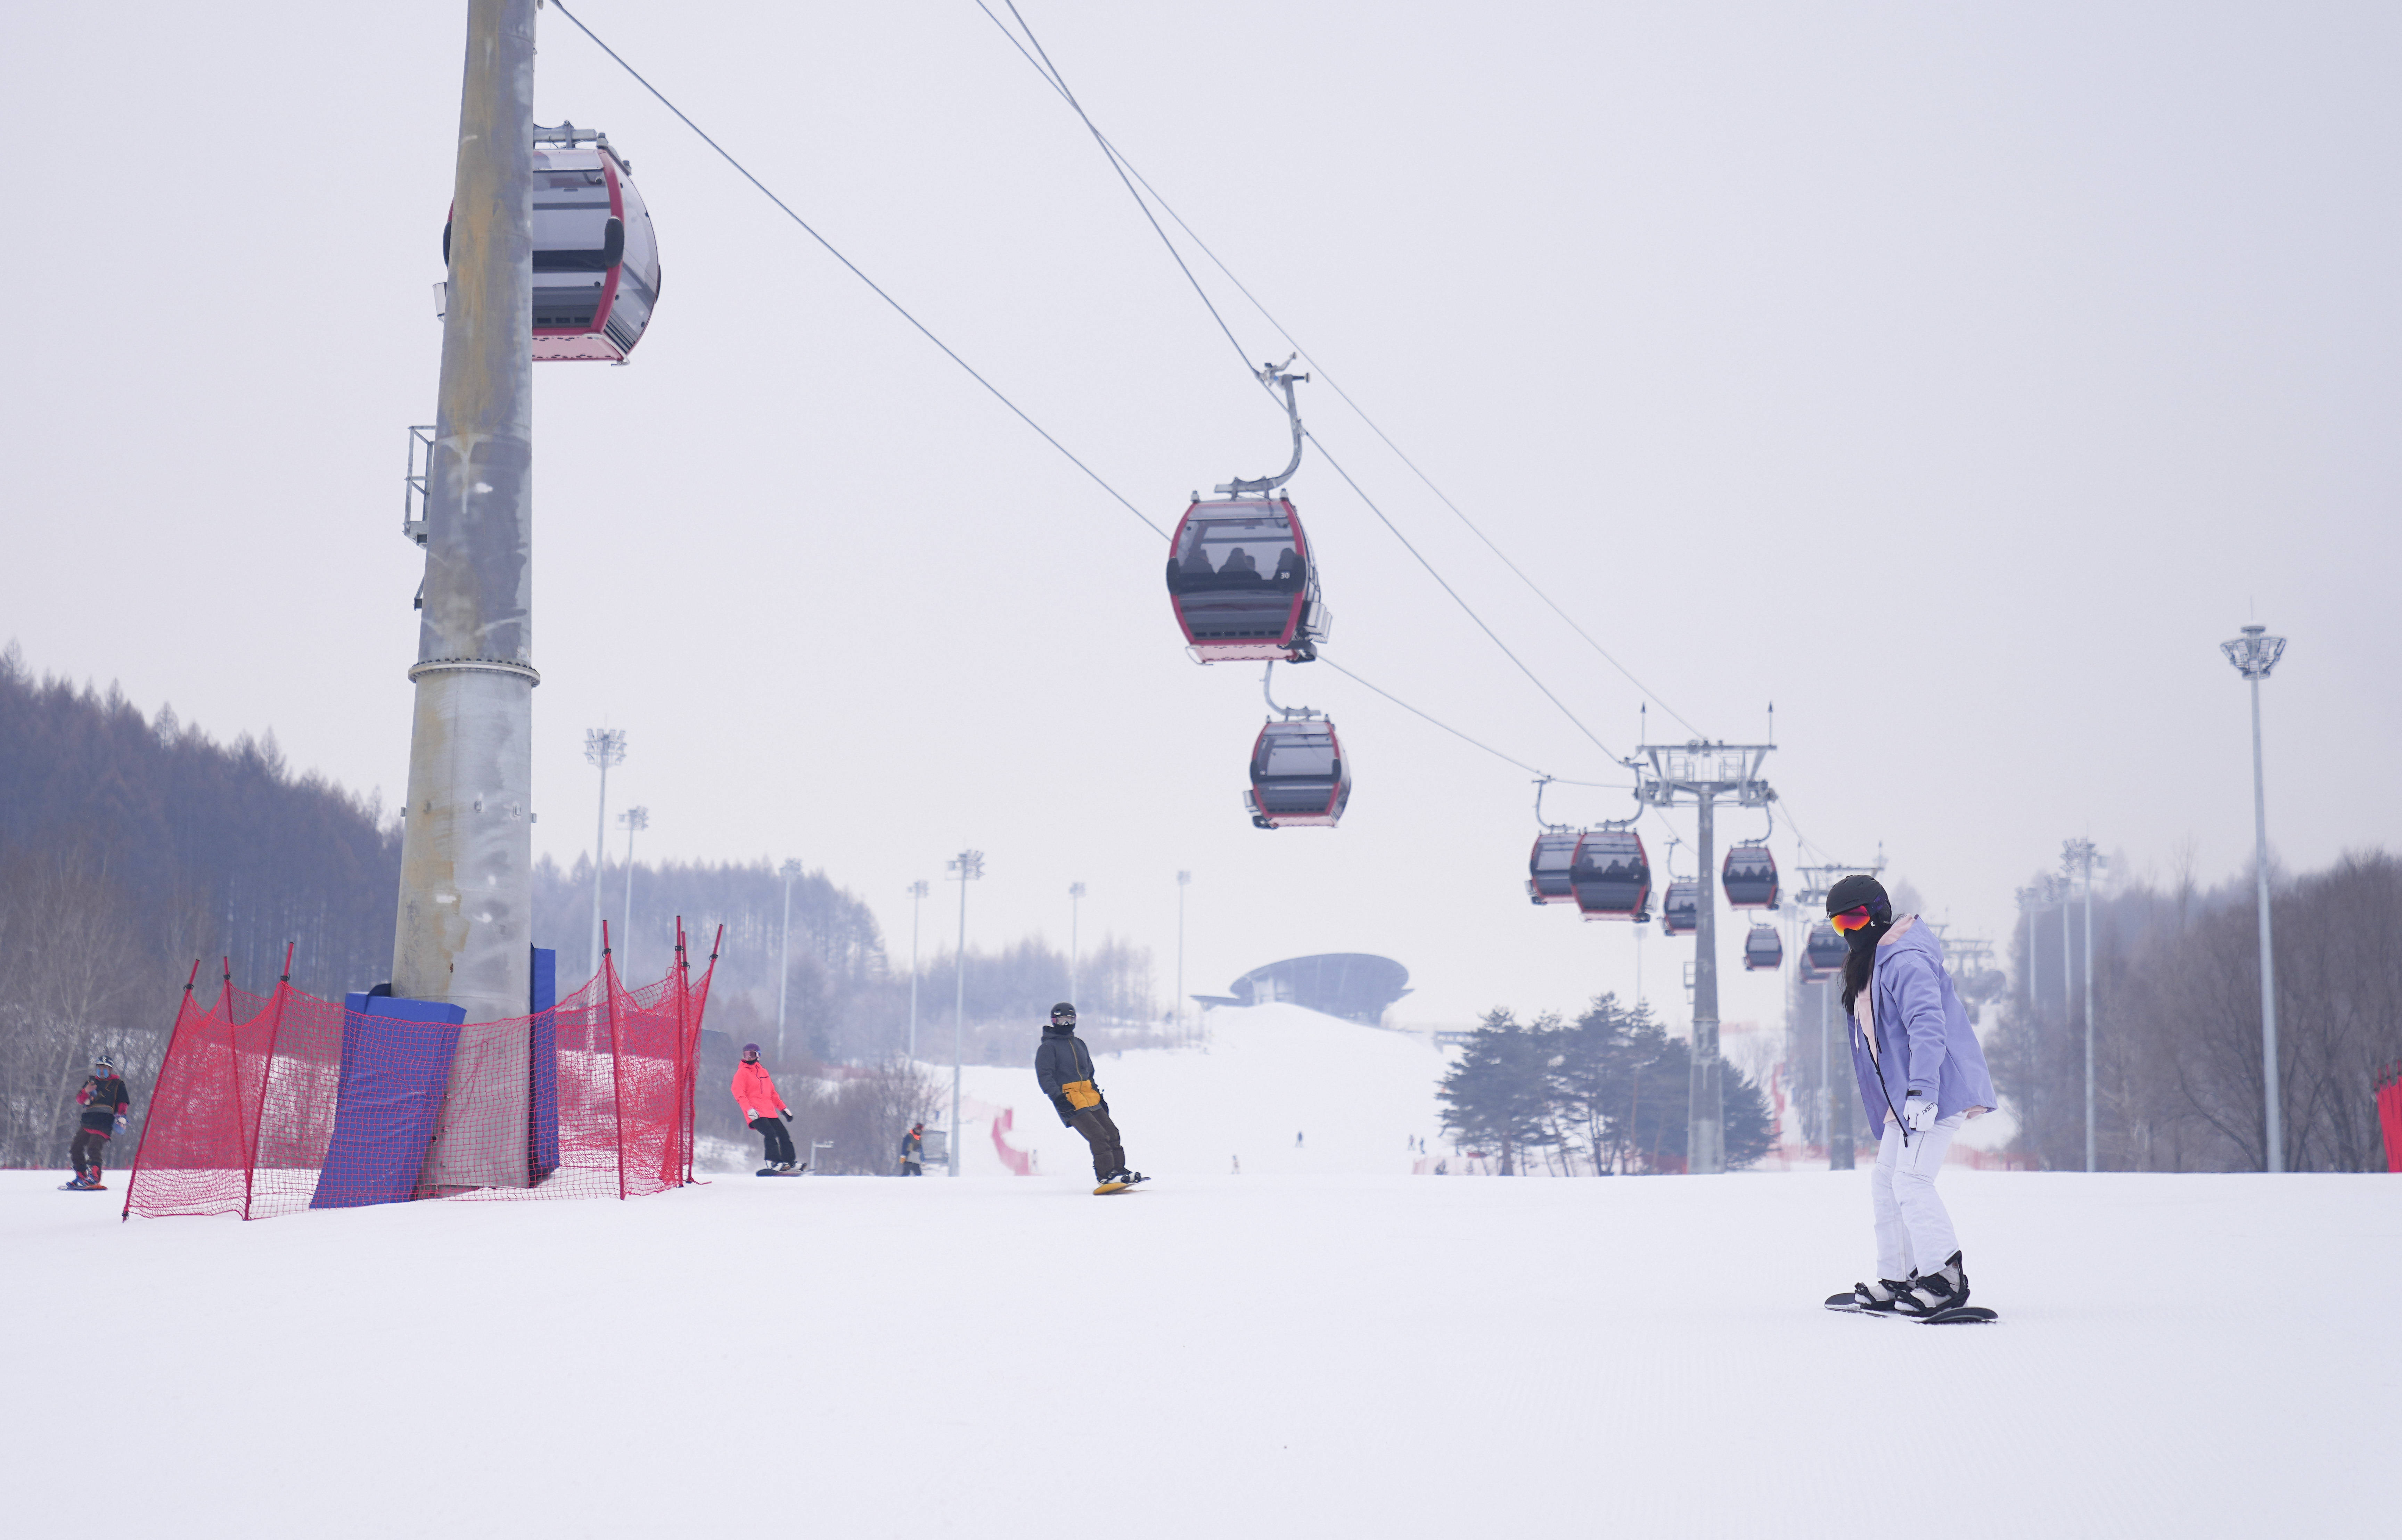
{"points": [[1299, 777], [1245, 588]]}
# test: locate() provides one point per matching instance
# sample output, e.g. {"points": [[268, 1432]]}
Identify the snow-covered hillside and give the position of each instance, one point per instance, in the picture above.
{"points": [[1356, 1094]]}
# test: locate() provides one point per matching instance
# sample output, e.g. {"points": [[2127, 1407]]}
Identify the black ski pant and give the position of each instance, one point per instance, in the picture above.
{"points": [[85, 1152], [1109, 1152], [780, 1144]]}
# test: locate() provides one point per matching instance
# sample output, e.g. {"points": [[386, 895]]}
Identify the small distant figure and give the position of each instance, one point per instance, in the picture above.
{"points": [[105, 1105], [1239, 565], [754, 1092], [1443, 1168], [1288, 568], [1296, 1141], [1063, 1067], [1238, 1165], [913, 1151]]}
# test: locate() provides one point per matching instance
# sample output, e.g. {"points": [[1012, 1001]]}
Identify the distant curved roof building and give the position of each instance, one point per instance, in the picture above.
{"points": [[1357, 986]]}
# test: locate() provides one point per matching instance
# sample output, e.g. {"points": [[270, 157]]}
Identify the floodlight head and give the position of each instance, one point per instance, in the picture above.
{"points": [[1184, 878], [1075, 890], [967, 865], [2254, 652], [604, 747], [636, 819], [790, 871], [919, 888]]}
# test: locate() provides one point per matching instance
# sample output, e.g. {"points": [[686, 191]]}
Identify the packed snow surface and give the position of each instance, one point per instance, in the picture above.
{"points": [[1275, 1354]]}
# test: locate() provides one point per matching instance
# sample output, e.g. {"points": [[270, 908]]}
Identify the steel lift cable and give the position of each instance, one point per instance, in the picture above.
{"points": [[832, 251], [1125, 169], [1051, 73], [979, 378]]}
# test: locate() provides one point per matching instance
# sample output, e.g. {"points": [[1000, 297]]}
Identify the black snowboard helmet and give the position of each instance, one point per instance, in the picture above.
{"points": [[1063, 1015]]}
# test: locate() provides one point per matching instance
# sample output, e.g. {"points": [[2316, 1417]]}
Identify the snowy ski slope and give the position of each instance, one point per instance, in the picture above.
{"points": [[1320, 1347]]}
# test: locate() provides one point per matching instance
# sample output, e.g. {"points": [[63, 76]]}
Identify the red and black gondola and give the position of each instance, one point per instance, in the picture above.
{"points": [[1763, 949], [1611, 875], [1749, 877], [1824, 950], [1680, 910], [1549, 865], [596, 258], [1300, 779], [1245, 587]]}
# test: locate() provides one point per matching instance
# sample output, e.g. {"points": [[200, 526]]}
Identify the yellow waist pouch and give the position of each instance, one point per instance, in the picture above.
{"points": [[1081, 1095]]}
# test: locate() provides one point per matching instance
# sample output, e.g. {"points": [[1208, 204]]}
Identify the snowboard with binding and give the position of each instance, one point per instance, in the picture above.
{"points": [[1107, 1188], [83, 1186], [1960, 1316], [800, 1170]]}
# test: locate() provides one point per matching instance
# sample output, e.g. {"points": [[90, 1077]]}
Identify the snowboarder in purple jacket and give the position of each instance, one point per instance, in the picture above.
{"points": [[1922, 1075]]}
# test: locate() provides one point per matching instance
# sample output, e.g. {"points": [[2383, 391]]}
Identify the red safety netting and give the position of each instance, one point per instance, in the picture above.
{"points": [[271, 1104]]}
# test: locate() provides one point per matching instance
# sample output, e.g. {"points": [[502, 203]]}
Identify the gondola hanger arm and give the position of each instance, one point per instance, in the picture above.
{"points": [[1272, 376], [1290, 713]]}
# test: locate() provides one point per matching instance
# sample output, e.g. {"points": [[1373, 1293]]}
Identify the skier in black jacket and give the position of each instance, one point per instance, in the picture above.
{"points": [[1063, 1067], [105, 1103]]}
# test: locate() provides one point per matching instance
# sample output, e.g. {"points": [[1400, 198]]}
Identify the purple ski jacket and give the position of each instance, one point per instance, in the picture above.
{"points": [[1924, 1040]]}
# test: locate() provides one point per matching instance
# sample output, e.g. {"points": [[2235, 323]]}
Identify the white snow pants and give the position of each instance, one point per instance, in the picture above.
{"points": [[1913, 1228]]}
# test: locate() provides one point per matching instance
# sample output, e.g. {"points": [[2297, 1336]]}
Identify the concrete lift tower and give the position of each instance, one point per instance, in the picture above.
{"points": [[1701, 773], [466, 886], [1816, 881]]}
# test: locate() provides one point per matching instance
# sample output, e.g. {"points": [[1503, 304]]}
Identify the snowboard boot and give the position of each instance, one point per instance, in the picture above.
{"points": [[1878, 1297], [1933, 1293]]}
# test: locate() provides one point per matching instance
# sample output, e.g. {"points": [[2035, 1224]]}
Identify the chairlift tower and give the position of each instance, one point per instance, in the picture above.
{"points": [[1817, 882], [1701, 772], [464, 931]]}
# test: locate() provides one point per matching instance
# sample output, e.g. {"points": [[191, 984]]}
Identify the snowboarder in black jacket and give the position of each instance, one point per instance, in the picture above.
{"points": [[913, 1151], [105, 1104], [1063, 1067]]}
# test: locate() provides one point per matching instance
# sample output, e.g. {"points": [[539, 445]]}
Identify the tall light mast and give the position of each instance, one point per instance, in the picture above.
{"points": [[2254, 653], [465, 930]]}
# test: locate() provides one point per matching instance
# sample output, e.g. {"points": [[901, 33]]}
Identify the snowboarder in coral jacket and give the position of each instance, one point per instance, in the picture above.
{"points": [[1063, 1067], [754, 1092], [105, 1105], [1922, 1075]]}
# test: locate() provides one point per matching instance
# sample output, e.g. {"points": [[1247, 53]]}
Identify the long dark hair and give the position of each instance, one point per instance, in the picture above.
{"points": [[1858, 965]]}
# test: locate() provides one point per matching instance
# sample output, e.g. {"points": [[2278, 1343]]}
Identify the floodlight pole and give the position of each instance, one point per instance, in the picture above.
{"points": [[917, 891], [2077, 861], [1075, 897], [635, 819], [465, 913], [2254, 653], [603, 746], [968, 865], [1701, 772], [791, 872]]}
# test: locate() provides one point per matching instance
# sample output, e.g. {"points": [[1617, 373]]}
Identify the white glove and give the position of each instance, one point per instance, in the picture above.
{"points": [[753, 1113], [1918, 1113]]}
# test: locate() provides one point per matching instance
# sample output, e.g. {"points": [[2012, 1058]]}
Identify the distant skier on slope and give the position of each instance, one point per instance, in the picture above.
{"points": [[1063, 1067], [754, 1092], [913, 1151], [105, 1105], [1909, 1035]]}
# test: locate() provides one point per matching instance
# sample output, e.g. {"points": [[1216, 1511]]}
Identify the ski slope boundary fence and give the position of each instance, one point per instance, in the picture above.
{"points": [[269, 1105]]}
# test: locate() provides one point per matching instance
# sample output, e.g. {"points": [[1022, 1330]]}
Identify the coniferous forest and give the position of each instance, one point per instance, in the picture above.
{"points": [[1604, 1095]]}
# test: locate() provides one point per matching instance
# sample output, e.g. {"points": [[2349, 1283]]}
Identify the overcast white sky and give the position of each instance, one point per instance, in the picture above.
{"points": [[1956, 376]]}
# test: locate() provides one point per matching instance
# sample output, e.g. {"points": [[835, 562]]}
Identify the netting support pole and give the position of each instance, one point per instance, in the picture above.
{"points": [[617, 1058], [683, 1058], [182, 1014], [265, 1072]]}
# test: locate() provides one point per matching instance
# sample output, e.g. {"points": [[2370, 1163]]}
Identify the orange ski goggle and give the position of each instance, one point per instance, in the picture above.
{"points": [[1850, 919]]}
